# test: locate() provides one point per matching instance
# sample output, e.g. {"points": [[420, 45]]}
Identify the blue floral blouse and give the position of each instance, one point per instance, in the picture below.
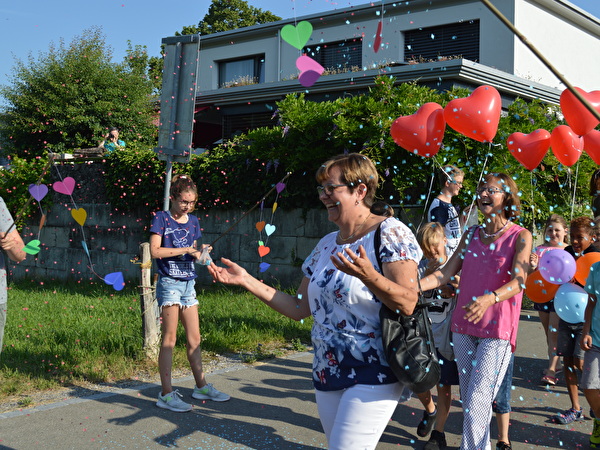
{"points": [[346, 333]]}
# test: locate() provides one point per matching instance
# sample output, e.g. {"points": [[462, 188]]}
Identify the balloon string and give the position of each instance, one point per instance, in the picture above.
{"points": [[541, 57], [425, 212], [574, 190]]}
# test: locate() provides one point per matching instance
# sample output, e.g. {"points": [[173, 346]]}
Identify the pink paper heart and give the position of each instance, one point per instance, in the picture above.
{"points": [[304, 63], [64, 187], [38, 191], [310, 70], [115, 280]]}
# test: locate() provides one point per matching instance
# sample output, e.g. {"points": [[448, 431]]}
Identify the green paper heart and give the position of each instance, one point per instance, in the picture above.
{"points": [[297, 36], [32, 247]]}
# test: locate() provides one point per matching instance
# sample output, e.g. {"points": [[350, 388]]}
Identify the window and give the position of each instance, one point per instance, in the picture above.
{"points": [[234, 124], [452, 40], [241, 72], [337, 55]]}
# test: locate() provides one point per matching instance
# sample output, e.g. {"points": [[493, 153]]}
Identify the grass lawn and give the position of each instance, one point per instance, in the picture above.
{"points": [[61, 334]]}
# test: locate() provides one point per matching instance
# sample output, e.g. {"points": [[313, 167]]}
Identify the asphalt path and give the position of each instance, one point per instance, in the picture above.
{"points": [[272, 407]]}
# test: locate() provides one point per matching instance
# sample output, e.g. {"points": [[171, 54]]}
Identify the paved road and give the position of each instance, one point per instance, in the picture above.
{"points": [[273, 408]]}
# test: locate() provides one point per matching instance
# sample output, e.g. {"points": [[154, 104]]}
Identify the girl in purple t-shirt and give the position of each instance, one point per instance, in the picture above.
{"points": [[173, 245]]}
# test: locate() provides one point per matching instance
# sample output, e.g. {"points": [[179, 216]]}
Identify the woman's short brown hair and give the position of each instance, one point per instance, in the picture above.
{"points": [[354, 170]]}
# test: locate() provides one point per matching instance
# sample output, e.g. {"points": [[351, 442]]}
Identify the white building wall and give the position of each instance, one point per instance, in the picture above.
{"points": [[572, 51]]}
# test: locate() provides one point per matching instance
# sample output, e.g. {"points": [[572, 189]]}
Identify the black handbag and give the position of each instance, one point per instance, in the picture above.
{"points": [[408, 342]]}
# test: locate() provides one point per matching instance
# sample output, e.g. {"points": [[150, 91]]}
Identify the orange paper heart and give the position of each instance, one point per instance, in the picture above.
{"points": [[263, 251], [260, 225]]}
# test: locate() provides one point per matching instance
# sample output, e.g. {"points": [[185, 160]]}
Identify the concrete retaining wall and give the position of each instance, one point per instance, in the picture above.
{"points": [[113, 238]]}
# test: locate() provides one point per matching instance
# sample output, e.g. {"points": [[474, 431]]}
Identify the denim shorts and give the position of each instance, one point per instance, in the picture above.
{"points": [[449, 371], [569, 339], [501, 404], [170, 291]]}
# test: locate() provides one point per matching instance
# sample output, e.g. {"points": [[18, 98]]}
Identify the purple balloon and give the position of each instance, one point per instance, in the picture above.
{"points": [[557, 266]]}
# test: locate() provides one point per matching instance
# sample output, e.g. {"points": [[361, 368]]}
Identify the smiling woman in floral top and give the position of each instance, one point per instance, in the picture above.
{"points": [[343, 290]]}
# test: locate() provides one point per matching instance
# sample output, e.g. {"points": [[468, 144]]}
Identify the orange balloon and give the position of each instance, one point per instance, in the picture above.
{"points": [[583, 265], [539, 290]]}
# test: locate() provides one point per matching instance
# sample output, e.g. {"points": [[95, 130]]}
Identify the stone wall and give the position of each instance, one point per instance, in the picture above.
{"points": [[113, 238]]}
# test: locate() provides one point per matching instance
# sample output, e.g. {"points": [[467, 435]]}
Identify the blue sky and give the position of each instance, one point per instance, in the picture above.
{"points": [[29, 26]]}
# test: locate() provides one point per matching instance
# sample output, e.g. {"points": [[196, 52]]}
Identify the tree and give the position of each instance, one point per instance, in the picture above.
{"points": [[68, 97], [225, 15]]}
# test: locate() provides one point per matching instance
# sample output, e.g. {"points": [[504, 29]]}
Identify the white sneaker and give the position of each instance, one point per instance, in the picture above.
{"points": [[209, 392], [173, 402]]}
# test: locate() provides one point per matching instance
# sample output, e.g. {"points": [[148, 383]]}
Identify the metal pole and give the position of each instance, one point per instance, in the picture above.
{"points": [[541, 57], [168, 176]]}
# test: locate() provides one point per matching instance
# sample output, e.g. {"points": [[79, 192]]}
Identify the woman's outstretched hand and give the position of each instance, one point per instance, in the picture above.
{"points": [[232, 274], [358, 266]]}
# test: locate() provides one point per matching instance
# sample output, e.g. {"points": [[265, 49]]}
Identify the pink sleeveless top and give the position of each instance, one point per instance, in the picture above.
{"points": [[485, 269]]}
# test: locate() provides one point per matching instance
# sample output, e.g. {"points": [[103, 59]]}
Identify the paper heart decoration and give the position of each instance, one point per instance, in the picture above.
{"points": [[270, 229], [422, 132], [579, 118], [65, 186], [377, 41], [529, 149], [263, 251], [85, 248], [115, 280], [477, 115], [566, 145], [32, 247], [297, 36], [591, 144], [263, 266], [279, 187], [38, 191], [79, 215], [274, 208], [310, 70], [260, 225]]}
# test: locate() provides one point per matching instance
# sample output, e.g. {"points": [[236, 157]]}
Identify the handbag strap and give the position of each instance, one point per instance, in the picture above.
{"points": [[421, 303]]}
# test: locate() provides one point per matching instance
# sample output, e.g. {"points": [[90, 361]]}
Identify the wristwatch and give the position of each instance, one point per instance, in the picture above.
{"points": [[496, 297]]}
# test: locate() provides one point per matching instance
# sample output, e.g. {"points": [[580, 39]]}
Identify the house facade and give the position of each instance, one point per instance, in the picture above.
{"points": [[441, 43]]}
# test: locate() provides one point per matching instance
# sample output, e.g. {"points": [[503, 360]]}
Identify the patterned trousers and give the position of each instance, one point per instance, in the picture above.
{"points": [[482, 364]]}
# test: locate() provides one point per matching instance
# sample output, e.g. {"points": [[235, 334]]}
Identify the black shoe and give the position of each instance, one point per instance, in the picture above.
{"points": [[427, 423], [437, 441], [501, 445]]}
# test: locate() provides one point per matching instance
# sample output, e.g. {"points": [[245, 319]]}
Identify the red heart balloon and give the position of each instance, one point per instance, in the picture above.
{"points": [[476, 116], [579, 118], [566, 145], [591, 144], [421, 132], [529, 149]]}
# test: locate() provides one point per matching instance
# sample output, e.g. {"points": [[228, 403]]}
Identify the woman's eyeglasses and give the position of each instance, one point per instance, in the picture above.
{"points": [[490, 191], [186, 203], [329, 188]]}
